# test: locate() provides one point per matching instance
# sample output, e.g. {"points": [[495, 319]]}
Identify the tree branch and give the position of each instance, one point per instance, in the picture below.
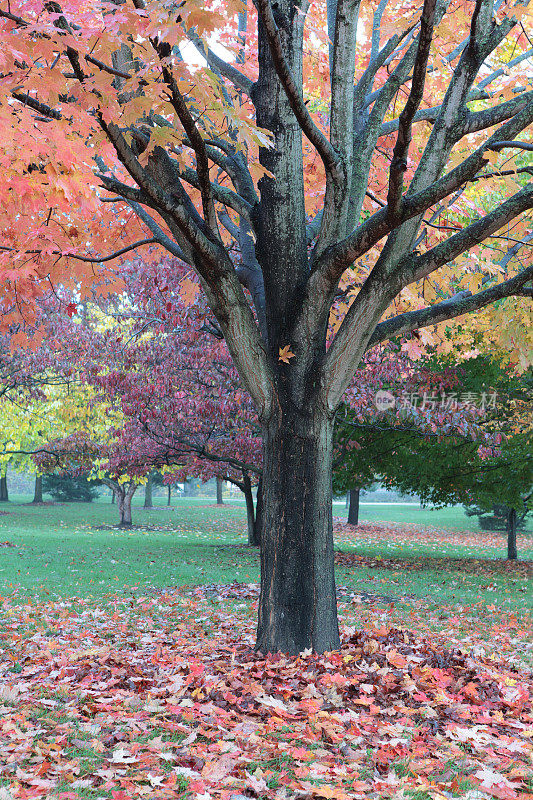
{"points": [[401, 148], [36, 105], [105, 68], [321, 143], [164, 51], [337, 258], [235, 76], [480, 120], [13, 17], [220, 193], [98, 260], [159, 234], [500, 145], [456, 306], [413, 268], [501, 71]]}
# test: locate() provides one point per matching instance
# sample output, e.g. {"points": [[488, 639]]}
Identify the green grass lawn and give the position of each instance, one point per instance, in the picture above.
{"points": [[74, 550], [451, 517]]}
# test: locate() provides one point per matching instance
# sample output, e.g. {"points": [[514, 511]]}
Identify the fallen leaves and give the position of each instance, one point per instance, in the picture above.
{"points": [[420, 563], [161, 696]]}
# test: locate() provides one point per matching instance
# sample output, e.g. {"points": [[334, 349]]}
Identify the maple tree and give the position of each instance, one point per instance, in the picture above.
{"points": [[425, 109], [162, 363]]}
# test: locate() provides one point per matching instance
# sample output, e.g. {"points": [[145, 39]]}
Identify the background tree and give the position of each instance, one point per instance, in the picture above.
{"points": [[69, 488], [79, 455], [182, 167], [487, 461]]}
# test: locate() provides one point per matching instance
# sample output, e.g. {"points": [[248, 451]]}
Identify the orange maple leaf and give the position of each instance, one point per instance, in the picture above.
{"points": [[188, 291], [285, 353]]}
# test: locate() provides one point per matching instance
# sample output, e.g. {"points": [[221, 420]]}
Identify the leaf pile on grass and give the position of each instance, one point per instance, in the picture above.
{"points": [[477, 566], [413, 534], [162, 696]]}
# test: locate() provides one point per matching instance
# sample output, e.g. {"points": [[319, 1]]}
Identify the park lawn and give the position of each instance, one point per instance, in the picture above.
{"points": [[452, 517], [75, 550]]}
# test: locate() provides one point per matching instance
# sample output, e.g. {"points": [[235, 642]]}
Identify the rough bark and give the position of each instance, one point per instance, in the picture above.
{"points": [[148, 499], [124, 508], [297, 606], [4, 494], [169, 496], [512, 553], [220, 489], [353, 508], [38, 491]]}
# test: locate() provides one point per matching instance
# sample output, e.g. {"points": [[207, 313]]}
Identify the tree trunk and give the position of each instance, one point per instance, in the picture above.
{"points": [[4, 494], [353, 508], [148, 500], [250, 511], [169, 498], [297, 606], [512, 553], [220, 487], [113, 496], [124, 508], [259, 513], [38, 492]]}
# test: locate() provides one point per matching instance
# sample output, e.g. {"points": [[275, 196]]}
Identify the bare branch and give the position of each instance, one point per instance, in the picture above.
{"points": [[361, 97], [423, 114], [105, 68], [235, 76], [401, 148], [334, 220], [484, 175], [159, 234], [13, 17], [502, 70], [526, 240], [220, 193], [338, 257], [190, 127], [480, 120], [412, 267], [88, 259], [127, 192], [520, 145], [322, 144], [102, 259], [376, 28], [36, 105]]}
